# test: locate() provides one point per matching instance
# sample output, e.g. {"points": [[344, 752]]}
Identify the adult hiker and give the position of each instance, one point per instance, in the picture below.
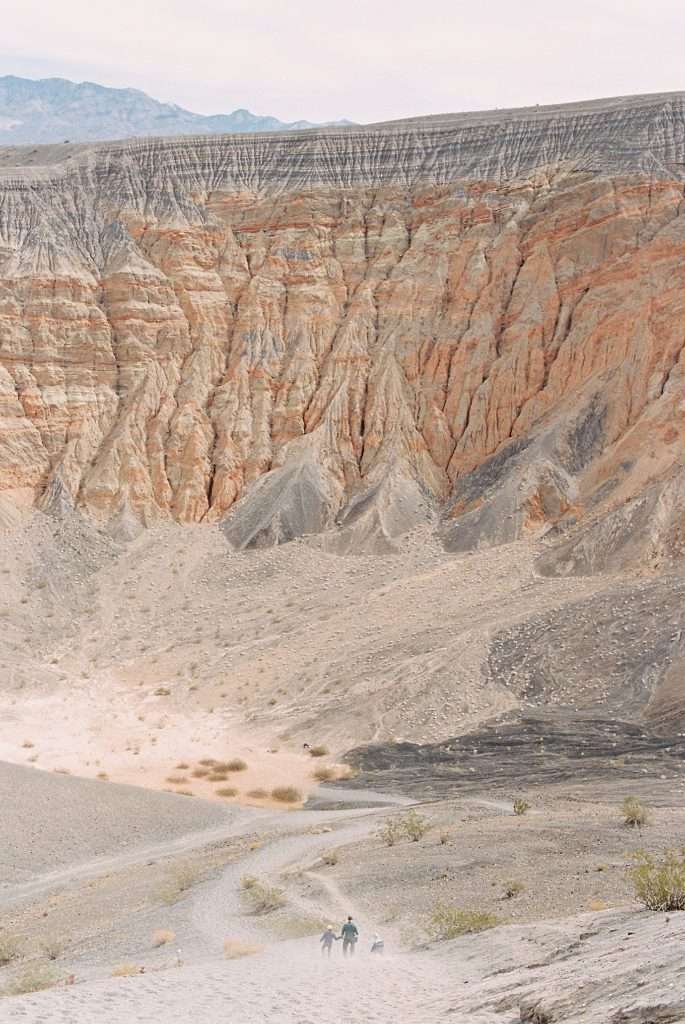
{"points": [[349, 933], [327, 940]]}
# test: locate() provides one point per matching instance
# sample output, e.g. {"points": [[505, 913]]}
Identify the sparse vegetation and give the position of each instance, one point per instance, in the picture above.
{"points": [[264, 898], [513, 889], [521, 806], [53, 947], [390, 831], [236, 764], [248, 881], [177, 780], [162, 691], [9, 949], [660, 883], [323, 773], [286, 794], [234, 949], [258, 794], [415, 825], [201, 773], [162, 936], [125, 971], [227, 791], [533, 1013], [444, 838], [217, 777], [180, 880], [634, 812], [35, 978], [319, 751], [448, 922], [330, 859]]}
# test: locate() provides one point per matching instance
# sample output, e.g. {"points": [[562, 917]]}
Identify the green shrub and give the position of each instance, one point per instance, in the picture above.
{"points": [[521, 806], [660, 883], [414, 826], [447, 922], [634, 812]]}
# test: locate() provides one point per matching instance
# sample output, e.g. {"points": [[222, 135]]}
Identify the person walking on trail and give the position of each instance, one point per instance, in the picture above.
{"points": [[349, 933], [327, 940]]}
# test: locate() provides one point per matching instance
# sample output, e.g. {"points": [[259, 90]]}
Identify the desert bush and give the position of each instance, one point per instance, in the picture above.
{"points": [[9, 949], [217, 777], [177, 780], [330, 859], [234, 948], [447, 922], [125, 970], [207, 762], [533, 1013], [512, 889], [521, 806], [248, 881], [182, 766], [634, 812], [201, 773], [227, 791], [390, 831], [162, 691], [236, 764], [286, 794], [444, 838], [162, 936], [265, 898], [660, 883], [414, 825], [324, 773], [103, 776], [258, 794], [319, 751], [52, 946], [180, 880], [33, 979]]}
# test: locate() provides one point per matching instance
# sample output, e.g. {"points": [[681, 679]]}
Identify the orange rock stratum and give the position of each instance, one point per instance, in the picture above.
{"points": [[474, 318]]}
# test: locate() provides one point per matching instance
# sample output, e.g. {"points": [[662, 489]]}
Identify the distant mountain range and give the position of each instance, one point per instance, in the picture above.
{"points": [[56, 110]]}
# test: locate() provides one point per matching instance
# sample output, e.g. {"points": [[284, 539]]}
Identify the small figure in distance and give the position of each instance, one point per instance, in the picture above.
{"points": [[349, 933], [327, 940], [378, 945]]}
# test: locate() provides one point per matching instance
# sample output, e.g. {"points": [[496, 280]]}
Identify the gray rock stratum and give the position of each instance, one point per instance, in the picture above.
{"points": [[477, 317]]}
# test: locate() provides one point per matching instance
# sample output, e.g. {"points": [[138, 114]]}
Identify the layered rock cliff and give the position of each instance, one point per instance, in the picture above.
{"points": [[480, 317]]}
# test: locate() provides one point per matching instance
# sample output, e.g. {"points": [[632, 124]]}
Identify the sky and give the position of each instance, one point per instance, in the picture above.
{"points": [[367, 61]]}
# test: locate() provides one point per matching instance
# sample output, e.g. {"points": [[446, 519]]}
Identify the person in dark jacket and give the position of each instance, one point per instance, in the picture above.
{"points": [[349, 933]]}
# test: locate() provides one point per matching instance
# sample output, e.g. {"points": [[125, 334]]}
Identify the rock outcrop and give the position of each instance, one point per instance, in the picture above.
{"points": [[478, 317]]}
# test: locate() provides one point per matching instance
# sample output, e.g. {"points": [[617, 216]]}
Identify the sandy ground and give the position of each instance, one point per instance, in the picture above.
{"points": [[573, 941], [173, 649]]}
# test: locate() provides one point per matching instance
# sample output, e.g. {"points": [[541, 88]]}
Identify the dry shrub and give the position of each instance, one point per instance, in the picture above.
{"points": [[533, 1013], [444, 838], [597, 904], [390, 831], [265, 898], [179, 881], [660, 884], [330, 859], [177, 780], [521, 806], [182, 766], [324, 773], [248, 881], [103, 776], [258, 794], [286, 794], [234, 949], [634, 812], [9, 949], [227, 791], [52, 946], [319, 751], [513, 889], [201, 773], [162, 691], [236, 764], [33, 979], [447, 922], [207, 762], [183, 792], [162, 936], [217, 777], [125, 970]]}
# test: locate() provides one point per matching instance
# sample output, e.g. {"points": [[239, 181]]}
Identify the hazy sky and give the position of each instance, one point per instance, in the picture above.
{"points": [[366, 60]]}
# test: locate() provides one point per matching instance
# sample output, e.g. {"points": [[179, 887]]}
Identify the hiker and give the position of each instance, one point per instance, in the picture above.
{"points": [[327, 940], [349, 933], [378, 945]]}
